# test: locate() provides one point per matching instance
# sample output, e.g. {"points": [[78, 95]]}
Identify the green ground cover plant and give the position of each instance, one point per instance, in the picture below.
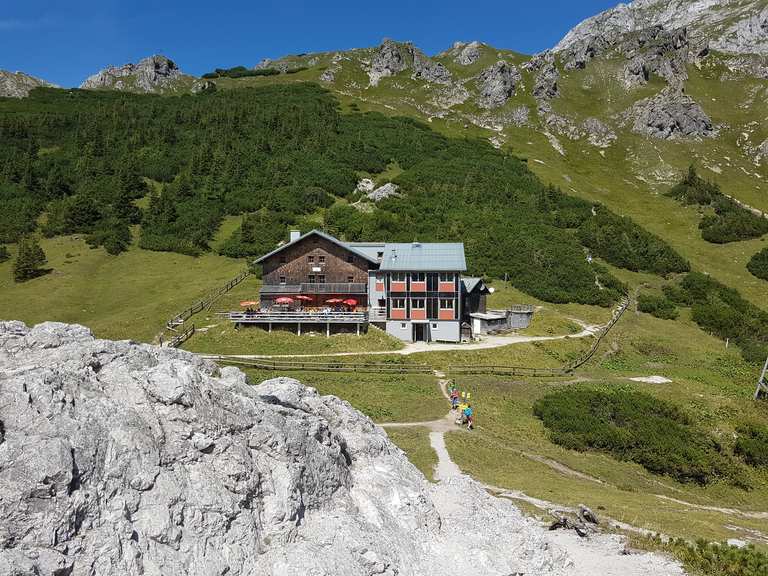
{"points": [[758, 264], [730, 222], [638, 427], [657, 305], [752, 444], [722, 311]]}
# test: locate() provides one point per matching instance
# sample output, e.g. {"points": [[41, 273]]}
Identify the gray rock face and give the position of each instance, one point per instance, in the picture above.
{"points": [[497, 84], [382, 192], [390, 59], [394, 57], [153, 74], [598, 133], [125, 459], [731, 26], [425, 68], [467, 54], [18, 84], [670, 114], [545, 87]]}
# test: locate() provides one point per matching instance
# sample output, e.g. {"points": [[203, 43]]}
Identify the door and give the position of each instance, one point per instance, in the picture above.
{"points": [[419, 333]]}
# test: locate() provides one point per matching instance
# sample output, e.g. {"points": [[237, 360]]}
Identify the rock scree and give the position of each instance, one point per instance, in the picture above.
{"points": [[124, 458]]}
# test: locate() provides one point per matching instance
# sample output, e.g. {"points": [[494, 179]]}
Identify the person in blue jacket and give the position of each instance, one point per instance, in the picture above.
{"points": [[469, 416]]}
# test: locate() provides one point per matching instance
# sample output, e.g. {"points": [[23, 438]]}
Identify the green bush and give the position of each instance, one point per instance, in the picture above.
{"points": [[634, 426], [730, 222], [240, 72], [722, 311], [4, 254], [712, 559], [752, 444], [658, 306], [758, 264]]}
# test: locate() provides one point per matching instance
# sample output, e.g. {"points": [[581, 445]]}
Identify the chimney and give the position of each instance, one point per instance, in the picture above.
{"points": [[295, 235]]}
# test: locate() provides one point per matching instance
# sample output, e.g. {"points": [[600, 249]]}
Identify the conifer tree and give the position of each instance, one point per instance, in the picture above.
{"points": [[29, 259]]}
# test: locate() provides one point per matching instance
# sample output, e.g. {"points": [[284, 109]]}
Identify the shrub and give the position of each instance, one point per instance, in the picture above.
{"points": [[758, 264], [4, 254], [730, 222], [29, 260], [623, 243], [658, 306], [712, 559], [240, 72], [722, 311], [752, 444], [634, 426]]}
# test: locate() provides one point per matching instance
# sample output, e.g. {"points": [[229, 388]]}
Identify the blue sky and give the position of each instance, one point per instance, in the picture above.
{"points": [[65, 41]]}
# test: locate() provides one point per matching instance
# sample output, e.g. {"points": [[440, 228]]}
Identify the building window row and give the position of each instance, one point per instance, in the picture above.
{"points": [[420, 303]]}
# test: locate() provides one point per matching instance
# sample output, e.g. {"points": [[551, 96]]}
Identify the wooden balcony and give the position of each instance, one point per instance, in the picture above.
{"points": [[307, 288], [296, 317]]}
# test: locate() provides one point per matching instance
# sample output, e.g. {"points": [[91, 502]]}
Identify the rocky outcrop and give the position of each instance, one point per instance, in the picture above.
{"points": [[385, 191], [18, 84], [153, 74], [391, 58], [496, 84], [598, 133], [467, 54], [127, 459], [670, 115], [732, 26]]}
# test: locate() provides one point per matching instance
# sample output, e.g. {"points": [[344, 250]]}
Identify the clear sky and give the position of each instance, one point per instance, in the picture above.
{"points": [[64, 41]]}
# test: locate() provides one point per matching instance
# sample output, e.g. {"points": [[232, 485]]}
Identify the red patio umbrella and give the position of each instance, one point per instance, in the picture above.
{"points": [[334, 301], [350, 302], [304, 298], [247, 303], [283, 300]]}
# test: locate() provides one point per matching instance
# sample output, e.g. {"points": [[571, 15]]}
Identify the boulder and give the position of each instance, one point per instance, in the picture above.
{"points": [[467, 54], [382, 192], [389, 59], [424, 68], [497, 84], [670, 115]]}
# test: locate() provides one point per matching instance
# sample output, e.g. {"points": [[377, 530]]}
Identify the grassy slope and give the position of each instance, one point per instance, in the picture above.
{"points": [[415, 443]]}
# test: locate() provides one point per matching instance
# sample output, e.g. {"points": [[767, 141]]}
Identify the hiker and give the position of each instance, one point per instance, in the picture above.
{"points": [[454, 398], [469, 415], [461, 408]]}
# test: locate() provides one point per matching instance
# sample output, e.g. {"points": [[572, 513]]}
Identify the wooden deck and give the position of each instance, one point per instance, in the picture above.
{"points": [[300, 318]]}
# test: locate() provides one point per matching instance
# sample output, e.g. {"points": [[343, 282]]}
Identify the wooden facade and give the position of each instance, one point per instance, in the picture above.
{"points": [[315, 260]]}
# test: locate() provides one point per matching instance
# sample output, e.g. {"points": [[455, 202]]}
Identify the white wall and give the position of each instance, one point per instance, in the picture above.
{"points": [[445, 331], [395, 328]]}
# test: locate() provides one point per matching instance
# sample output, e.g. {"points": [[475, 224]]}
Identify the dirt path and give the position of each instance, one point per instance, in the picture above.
{"points": [[487, 343]]}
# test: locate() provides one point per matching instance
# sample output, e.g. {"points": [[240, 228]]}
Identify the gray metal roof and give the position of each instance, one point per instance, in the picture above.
{"points": [[372, 249], [470, 283], [322, 235], [429, 257]]}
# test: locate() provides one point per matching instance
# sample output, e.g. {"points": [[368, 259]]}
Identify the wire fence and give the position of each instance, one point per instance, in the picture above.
{"points": [[206, 302]]}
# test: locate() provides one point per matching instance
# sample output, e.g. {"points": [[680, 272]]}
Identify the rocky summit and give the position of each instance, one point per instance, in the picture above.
{"points": [[153, 74], [18, 84], [123, 459]]}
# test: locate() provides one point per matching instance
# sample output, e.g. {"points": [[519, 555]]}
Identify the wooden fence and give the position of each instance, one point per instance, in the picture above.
{"points": [[279, 365], [179, 339], [206, 302]]}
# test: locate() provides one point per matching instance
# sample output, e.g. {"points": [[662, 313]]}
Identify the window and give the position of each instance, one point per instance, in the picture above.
{"points": [[310, 259], [283, 260], [446, 304], [398, 303], [403, 325], [282, 279], [446, 276], [417, 303], [398, 276], [312, 278], [321, 259], [434, 325], [380, 255], [350, 258], [418, 277], [350, 279], [321, 279]]}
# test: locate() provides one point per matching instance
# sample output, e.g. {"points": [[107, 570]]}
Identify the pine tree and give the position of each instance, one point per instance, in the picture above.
{"points": [[29, 260]]}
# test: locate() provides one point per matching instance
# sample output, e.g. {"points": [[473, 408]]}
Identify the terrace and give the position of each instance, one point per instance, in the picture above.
{"points": [[299, 317]]}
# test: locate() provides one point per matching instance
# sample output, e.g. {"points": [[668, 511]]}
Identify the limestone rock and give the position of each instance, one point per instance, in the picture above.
{"points": [[598, 133], [467, 54], [670, 115], [497, 84], [545, 87], [391, 58], [18, 84], [127, 459], [425, 68], [382, 192], [153, 74]]}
